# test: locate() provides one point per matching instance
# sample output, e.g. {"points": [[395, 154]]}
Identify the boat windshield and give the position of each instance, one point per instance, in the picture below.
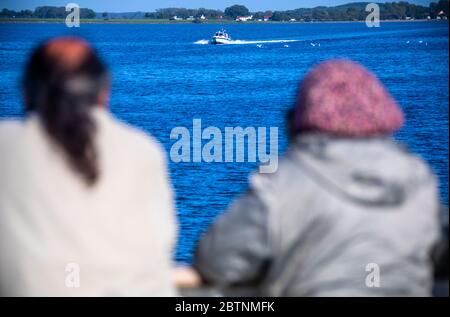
{"points": [[221, 34]]}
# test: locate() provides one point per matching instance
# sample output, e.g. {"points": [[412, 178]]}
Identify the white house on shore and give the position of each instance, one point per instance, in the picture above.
{"points": [[244, 18]]}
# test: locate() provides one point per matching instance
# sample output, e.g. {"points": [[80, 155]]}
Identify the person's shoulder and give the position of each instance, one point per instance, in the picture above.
{"points": [[143, 142], [412, 164], [133, 140], [397, 155], [9, 130], [10, 136], [284, 181], [10, 125]]}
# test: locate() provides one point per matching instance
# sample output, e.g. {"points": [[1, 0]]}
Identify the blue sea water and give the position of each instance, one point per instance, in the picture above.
{"points": [[164, 77]]}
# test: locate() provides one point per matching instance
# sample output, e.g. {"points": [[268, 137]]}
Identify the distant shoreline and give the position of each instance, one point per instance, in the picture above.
{"points": [[162, 21]]}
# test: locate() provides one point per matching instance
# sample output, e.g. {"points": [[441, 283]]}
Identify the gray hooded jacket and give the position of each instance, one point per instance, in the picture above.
{"points": [[340, 217]]}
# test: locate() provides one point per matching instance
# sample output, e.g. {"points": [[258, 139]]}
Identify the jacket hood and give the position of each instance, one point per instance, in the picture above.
{"points": [[369, 171]]}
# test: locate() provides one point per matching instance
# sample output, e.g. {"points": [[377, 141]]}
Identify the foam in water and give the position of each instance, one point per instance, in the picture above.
{"points": [[242, 42], [201, 42]]}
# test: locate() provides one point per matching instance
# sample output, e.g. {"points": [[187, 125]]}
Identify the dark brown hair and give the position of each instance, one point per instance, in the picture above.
{"points": [[62, 82]]}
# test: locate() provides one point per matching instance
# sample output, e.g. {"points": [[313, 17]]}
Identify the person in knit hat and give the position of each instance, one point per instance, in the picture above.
{"points": [[349, 212], [342, 98]]}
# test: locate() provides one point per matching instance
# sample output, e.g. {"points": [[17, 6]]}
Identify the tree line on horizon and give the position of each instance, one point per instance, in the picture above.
{"points": [[347, 12], [46, 12]]}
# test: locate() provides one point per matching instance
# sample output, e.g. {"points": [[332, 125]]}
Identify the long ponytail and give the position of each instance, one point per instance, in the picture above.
{"points": [[61, 85]]}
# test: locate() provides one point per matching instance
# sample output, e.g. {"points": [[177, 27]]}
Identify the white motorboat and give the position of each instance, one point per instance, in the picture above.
{"points": [[221, 37]]}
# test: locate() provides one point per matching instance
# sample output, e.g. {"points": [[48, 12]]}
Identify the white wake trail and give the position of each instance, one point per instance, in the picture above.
{"points": [[243, 42], [201, 42]]}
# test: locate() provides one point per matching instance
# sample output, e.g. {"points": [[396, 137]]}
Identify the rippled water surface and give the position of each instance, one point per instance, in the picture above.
{"points": [[166, 75]]}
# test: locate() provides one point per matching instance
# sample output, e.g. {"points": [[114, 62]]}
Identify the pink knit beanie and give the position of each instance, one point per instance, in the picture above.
{"points": [[342, 98]]}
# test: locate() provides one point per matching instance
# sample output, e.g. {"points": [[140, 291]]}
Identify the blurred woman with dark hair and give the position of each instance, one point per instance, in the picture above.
{"points": [[85, 201], [348, 213]]}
